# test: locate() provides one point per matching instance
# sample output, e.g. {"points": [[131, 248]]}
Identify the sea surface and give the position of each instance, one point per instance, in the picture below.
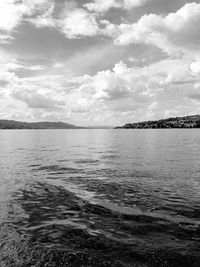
{"points": [[100, 198]]}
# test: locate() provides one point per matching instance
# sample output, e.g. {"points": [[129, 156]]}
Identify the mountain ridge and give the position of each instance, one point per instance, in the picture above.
{"points": [[12, 124]]}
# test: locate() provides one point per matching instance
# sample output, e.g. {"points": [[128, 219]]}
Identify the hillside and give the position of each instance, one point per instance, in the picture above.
{"points": [[11, 124], [177, 122]]}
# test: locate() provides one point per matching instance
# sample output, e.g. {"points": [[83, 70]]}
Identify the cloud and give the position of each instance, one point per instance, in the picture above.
{"points": [[107, 97], [174, 33], [37, 100], [35, 67], [114, 89], [9, 63], [102, 6], [133, 3], [110, 93], [144, 91], [45, 19], [195, 67], [73, 21], [14, 65], [78, 22], [5, 38], [93, 58], [125, 93], [13, 12]]}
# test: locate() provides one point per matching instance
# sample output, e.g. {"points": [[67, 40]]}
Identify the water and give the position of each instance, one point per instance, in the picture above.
{"points": [[100, 198]]}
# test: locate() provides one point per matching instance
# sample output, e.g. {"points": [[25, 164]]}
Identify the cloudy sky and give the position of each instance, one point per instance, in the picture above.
{"points": [[99, 62]]}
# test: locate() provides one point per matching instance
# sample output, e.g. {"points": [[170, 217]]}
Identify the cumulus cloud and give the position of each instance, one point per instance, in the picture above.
{"points": [[106, 5], [36, 99], [110, 96], [121, 92], [195, 67], [78, 22], [174, 33], [102, 5], [13, 12], [148, 91], [72, 21]]}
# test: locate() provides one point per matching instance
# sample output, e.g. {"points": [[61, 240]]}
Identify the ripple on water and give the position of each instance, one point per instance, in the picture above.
{"points": [[100, 203], [57, 169], [62, 216]]}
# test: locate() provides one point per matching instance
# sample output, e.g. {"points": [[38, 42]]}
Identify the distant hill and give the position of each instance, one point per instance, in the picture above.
{"points": [[177, 122], [11, 124]]}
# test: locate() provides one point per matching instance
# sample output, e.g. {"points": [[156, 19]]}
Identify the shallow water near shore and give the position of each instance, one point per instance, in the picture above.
{"points": [[100, 198]]}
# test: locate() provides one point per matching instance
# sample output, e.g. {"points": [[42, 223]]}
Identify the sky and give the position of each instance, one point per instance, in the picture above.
{"points": [[99, 62]]}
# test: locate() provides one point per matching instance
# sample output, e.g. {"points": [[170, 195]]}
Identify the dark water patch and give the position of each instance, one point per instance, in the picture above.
{"points": [[20, 149], [79, 249], [55, 227], [108, 172], [49, 150], [87, 161], [182, 210], [57, 217], [34, 165], [63, 160], [110, 157], [58, 246], [58, 169], [138, 215]]}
